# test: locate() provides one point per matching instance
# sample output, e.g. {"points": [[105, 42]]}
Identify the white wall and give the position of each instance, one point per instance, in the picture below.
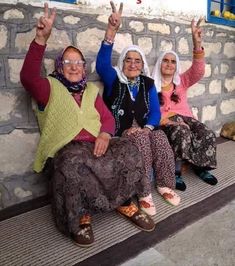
{"points": [[183, 8]]}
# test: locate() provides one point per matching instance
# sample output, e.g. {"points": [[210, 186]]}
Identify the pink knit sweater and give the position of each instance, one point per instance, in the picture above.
{"points": [[188, 78]]}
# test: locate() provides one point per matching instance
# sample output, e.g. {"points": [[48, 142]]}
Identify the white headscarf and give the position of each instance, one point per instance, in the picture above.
{"points": [[121, 76], [156, 74]]}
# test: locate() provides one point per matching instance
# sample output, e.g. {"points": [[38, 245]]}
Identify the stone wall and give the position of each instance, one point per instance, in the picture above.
{"points": [[212, 100]]}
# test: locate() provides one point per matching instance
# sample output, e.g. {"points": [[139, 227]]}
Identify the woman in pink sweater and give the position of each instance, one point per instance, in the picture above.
{"points": [[191, 140]]}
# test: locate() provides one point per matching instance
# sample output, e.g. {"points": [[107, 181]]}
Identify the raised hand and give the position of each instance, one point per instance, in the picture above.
{"points": [[197, 33], [44, 25], [114, 20]]}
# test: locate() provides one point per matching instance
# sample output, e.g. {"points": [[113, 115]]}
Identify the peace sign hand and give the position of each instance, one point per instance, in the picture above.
{"points": [[44, 25], [114, 20], [197, 33]]}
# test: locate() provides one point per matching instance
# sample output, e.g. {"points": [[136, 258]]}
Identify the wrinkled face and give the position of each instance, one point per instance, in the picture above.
{"points": [[168, 65], [73, 65], [132, 65]]}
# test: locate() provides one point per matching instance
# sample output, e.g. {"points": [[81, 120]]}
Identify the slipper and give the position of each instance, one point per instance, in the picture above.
{"points": [[169, 195], [146, 204], [140, 219], [179, 183], [84, 237], [206, 177]]}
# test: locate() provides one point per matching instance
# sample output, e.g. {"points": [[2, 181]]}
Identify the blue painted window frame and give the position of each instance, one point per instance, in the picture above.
{"points": [[221, 6]]}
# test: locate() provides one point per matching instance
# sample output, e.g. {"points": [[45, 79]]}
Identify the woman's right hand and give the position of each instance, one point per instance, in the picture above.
{"points": [[114, 20], [44, 25], [197, 33]]}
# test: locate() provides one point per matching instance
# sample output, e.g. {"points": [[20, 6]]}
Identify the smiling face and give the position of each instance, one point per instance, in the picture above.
{"points": [[73, 65], [132, 65], [168, 65]]}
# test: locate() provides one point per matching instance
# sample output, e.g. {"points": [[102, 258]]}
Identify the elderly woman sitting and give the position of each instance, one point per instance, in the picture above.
{"points": [[91, 172]]}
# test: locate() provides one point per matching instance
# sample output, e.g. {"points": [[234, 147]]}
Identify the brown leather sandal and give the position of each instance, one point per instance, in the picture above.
{"points": [[84, 237], [140, 219]]}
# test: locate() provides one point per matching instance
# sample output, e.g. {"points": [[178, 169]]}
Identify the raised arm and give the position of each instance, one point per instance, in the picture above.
{"points": [[197, 69], [104, 63], [197, 34], [114, 23], [44, 25], [37, 86]]}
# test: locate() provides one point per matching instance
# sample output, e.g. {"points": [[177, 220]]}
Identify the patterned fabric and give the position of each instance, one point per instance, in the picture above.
{"points": [[83, 184], [157, 154], [196, 144]]}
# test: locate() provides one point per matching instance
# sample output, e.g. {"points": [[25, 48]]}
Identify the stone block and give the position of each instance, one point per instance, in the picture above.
{"points": [[137, 26], [13, 107], [212, 48], [159, 27], [229, 49], [3, 36], [215, 86], [230, 84], [208, 113], [17, 152], [196, 90], [228, 106], [15, 189], [145, 44], [183, 46]]}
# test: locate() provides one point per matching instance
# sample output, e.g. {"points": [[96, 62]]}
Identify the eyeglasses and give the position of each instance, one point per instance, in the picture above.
{"points": [[69, 63], [133, 61], [167, 61]]}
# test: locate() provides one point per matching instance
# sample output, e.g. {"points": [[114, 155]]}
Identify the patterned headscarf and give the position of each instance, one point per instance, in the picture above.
{"points": [[58, 73], [156, 74], [121, 76]]}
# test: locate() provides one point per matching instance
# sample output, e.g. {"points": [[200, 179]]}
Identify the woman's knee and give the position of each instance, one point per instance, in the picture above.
{"points": [[141, 137]]}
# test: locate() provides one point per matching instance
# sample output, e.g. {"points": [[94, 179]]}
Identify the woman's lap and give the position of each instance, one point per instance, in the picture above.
{"points": [[84, 184], [196, 145]]}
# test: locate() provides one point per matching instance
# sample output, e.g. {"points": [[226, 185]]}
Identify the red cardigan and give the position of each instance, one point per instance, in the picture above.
{"points": [[39, 88]]}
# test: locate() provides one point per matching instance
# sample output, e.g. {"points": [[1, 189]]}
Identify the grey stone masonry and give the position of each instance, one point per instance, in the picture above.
{"points": [[212, 99]]}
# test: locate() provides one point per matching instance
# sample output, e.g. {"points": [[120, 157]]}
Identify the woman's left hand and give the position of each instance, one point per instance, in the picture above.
{"points": [[101, 144], [197, 33]]}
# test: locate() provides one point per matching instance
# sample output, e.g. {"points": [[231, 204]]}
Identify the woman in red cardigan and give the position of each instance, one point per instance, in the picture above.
{"points": [[91, 172]]}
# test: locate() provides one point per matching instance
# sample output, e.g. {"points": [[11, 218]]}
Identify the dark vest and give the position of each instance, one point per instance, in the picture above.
{"points": [[124, 109]]}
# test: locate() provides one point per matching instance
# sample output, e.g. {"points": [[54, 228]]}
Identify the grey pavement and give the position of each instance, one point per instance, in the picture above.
{"points": [[208, 242]]}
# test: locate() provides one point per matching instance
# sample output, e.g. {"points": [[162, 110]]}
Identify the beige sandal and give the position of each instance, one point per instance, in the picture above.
{"points": [[169, 195], [146, 204]]}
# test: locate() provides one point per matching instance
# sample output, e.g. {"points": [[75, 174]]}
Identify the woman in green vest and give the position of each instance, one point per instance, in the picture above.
{"points": [[91, 172]]}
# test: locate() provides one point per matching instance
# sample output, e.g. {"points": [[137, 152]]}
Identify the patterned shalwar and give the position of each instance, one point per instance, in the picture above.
{"points": [[196, 144], [157, 155]]}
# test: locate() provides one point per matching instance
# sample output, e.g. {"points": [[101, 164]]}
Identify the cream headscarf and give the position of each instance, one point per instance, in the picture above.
{"points": [[156, 74], [121, 76]]}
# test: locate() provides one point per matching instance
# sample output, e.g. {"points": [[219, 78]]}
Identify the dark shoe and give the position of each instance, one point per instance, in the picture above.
{"points": [[84, 237], [207, 177], [140, 219], [179, 184]]}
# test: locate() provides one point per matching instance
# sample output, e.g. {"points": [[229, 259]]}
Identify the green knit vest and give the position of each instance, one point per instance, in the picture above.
{"points": [[63, 119]]}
